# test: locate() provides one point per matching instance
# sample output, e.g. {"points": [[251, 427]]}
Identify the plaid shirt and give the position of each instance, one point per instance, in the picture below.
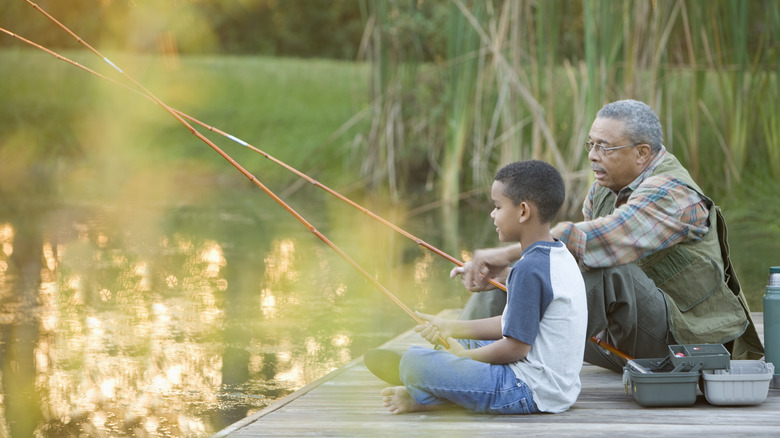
{"points": [[652, 213]]}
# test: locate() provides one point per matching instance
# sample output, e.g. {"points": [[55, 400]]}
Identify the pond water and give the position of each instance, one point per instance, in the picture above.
{"points": [[131, 319]]}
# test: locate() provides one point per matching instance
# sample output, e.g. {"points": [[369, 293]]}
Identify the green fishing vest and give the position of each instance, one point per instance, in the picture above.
{"points": [[705, 303]]}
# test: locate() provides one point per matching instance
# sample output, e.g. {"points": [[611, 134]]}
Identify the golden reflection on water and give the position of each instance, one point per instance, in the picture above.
{"points": [[279, 262], [141, 342], [7, 238], [121, 368]]}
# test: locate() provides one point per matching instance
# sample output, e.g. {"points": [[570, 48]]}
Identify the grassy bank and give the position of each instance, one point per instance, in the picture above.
{"points": [[292, 109]]}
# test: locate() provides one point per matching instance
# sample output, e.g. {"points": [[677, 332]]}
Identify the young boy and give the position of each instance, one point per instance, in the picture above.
{"points": [[528, 359]]}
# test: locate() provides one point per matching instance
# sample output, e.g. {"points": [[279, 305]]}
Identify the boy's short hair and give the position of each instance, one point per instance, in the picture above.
{"points": [[536, 182]]}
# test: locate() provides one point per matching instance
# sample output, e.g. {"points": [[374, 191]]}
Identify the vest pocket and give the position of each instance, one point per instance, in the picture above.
{"points": [[687, 279], [702, 308]]}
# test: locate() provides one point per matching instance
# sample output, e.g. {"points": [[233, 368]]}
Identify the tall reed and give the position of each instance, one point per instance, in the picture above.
{"points": [[461, 84], [529, 86]]}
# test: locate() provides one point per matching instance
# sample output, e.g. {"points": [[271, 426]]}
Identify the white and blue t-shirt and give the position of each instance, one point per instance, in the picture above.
{"points": [[547, 309]]}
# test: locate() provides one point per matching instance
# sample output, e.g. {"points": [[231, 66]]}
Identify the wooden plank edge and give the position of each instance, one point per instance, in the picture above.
{"points": [[284, 401]]}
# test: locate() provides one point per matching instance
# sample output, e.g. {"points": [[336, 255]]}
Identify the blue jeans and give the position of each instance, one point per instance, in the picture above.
{"points": [[435, 377]]}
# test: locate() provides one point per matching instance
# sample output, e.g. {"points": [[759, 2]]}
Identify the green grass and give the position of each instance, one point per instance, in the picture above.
{"points": [[289, 108]]}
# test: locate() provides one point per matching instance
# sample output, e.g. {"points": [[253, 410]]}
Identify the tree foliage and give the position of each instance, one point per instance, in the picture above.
{"points": [[296, 28]]}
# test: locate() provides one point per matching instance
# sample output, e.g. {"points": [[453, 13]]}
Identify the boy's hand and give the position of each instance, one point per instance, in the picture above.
{"points": [[456, 348], [434, 335], [434, 329]]}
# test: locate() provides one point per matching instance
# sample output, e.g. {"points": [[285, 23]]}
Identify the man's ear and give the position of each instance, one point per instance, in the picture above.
{"points": [[644, 152]]}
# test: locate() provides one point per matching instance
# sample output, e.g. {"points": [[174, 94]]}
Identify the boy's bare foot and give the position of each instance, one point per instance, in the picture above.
{"points": [[398, 401]]}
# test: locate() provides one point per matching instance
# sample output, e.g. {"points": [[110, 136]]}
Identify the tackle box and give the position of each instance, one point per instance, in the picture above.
{"points": [[658, 382], [673, 380], [746, 382]]}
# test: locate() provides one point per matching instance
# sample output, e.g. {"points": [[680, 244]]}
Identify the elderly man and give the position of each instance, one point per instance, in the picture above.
{"points": [[652, 248]]}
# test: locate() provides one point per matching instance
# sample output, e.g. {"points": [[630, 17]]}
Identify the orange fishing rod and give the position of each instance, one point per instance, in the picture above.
{"points": [[594, 339], [254, 179], [609, 347], [273, 159]]}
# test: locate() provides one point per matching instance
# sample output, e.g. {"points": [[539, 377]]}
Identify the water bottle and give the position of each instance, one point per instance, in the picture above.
{"points": [[772, 323]]}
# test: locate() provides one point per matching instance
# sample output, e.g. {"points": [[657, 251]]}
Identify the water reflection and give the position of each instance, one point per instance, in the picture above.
{"points": [[19, 324], [186, 331]]}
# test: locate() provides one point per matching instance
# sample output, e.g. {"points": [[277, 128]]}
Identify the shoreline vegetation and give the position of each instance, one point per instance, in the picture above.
{"points": [[418, 132]]}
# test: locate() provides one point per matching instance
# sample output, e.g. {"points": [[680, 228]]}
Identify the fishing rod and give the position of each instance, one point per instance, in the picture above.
{"points": [[176, 112], [420, 242], [609, 347], [249, 175], [417, 240]]}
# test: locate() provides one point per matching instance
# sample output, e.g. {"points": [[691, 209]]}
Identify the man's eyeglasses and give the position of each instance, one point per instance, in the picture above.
{"points": [[601, 149]]}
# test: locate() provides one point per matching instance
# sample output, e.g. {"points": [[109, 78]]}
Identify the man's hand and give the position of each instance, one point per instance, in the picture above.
{"points": [[486, 265]]}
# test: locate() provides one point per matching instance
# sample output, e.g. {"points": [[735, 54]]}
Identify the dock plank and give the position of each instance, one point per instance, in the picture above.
{"points": [[346, 402]]}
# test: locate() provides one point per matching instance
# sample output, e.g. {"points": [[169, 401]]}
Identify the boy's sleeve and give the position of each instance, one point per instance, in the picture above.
{"points": [[527, 300]]}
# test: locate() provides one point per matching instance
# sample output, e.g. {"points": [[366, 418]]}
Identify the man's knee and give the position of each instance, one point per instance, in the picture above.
{"points": [[625, 302], [484, 305]]}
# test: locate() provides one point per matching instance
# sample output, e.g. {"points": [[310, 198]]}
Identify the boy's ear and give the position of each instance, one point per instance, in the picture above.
{"points": [[523, 212]]}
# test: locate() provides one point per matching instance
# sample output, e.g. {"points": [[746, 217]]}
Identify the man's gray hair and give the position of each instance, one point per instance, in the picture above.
{"points": [[642, 124]]}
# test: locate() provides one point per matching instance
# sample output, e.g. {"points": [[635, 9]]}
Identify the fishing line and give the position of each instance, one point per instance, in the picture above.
{"points": [[72, 62], [246, 173]]}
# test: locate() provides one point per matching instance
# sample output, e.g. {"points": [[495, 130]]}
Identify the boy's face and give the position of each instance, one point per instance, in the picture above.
{"points": [[506, 215]]}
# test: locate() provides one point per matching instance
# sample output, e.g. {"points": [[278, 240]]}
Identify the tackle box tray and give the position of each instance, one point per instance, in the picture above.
{"points": [[711, 356], [745, 383], [657, 382]]}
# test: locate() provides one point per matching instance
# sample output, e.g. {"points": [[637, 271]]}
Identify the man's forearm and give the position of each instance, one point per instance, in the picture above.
{"points": [[514, 252]]}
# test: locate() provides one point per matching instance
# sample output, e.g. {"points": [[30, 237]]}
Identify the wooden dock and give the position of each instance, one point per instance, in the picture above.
{"points": [[346, 402]]}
